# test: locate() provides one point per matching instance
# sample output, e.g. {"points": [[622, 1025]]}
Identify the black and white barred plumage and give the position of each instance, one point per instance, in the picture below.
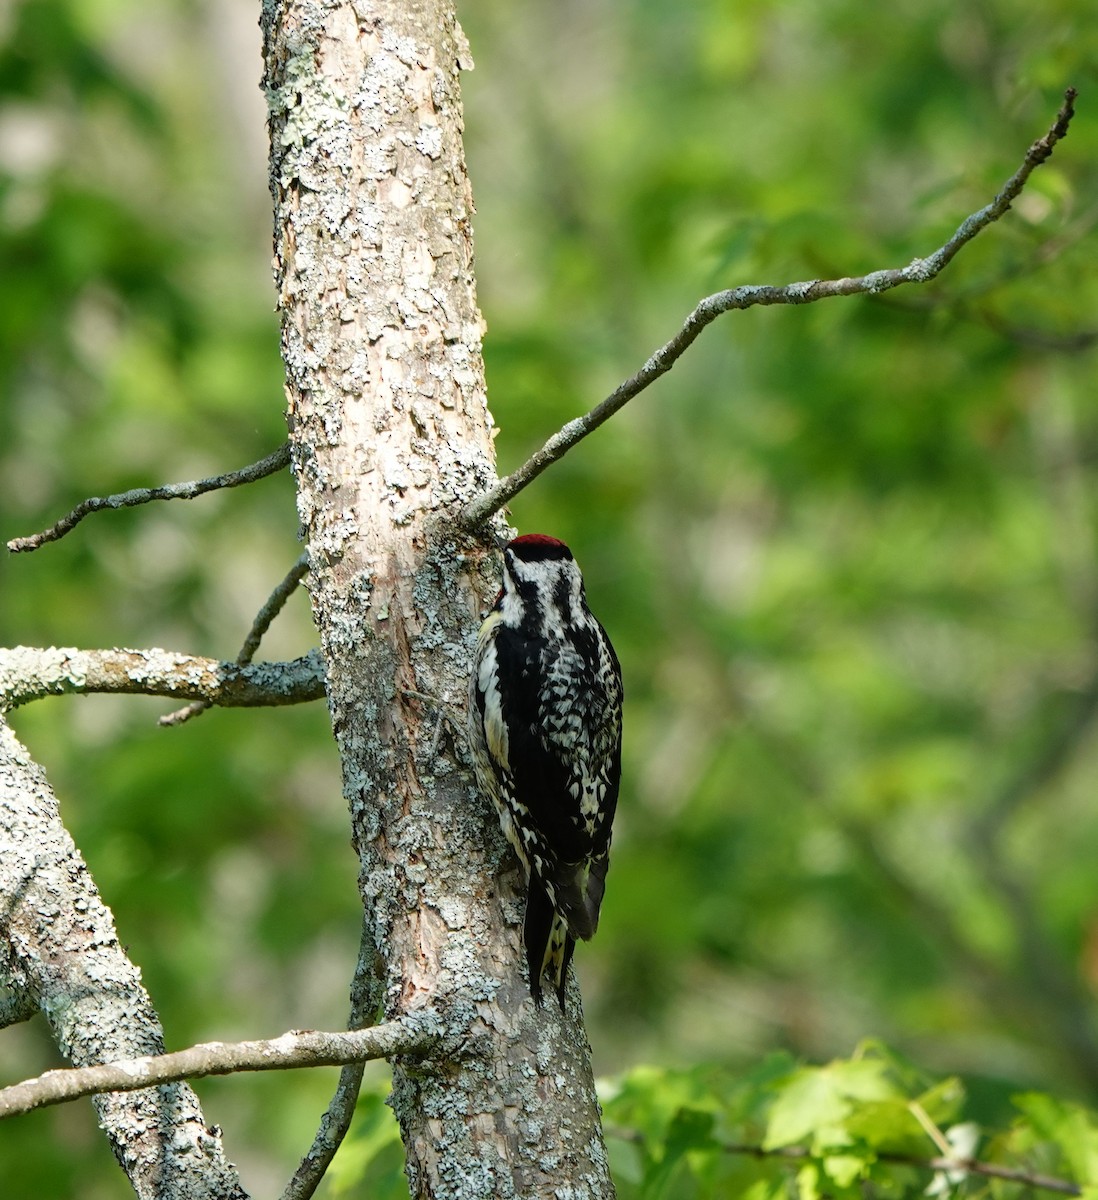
{"points": [[545, 722]]}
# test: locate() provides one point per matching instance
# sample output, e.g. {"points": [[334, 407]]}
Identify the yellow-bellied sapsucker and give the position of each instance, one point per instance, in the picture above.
{"points": [[545, 722]]}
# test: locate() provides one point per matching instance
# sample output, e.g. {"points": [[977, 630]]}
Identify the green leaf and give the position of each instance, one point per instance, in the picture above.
{"points": [[887, 1124], [766, 1189], [808, 1182], [1071, 1127], [818, 1099], [690, 1129], [810, 1100], [844, 1169], [943, 1102]]}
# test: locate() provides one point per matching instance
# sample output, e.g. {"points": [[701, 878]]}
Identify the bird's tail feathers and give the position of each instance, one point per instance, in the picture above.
{"points": [[549, 943]]}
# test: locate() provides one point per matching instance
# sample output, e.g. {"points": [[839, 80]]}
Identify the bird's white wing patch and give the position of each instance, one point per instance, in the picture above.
{"points": [[495, 728]]}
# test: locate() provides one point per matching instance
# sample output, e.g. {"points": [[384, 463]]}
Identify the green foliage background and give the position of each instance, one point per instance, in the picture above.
{"points": [[846, 552]]}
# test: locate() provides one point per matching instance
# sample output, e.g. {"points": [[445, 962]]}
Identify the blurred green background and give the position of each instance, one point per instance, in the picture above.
{"points": [[847, 553]]}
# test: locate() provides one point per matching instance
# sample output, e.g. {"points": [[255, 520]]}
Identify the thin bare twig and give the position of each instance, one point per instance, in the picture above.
{"points": [[920, 270], [168, 491], [28, 673], [298, 1048], [365, 1002], [964, 299], [972, 1166], [274, 605], [960, 1166]]}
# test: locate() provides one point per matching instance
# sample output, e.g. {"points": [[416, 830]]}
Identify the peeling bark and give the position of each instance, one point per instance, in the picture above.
{"points": [[391, 438], [59, 949]]}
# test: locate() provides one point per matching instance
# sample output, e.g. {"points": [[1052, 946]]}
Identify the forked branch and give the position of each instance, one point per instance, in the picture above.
{"points": [[920, 270]]}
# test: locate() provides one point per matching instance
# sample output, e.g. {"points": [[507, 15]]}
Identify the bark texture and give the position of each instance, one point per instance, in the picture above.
{"points": [[29, 672], [391, 438], [59, 951]]}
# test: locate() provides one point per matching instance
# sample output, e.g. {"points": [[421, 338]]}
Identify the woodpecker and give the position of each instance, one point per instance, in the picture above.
{"points": [[545, 728]]}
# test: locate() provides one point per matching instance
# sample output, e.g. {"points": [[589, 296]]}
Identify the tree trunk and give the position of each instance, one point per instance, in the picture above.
{"points": [[391, 435], [59, 953]]}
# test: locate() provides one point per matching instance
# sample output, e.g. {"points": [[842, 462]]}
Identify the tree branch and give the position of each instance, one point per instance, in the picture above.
{"points": [[59, 945], [414, 1035], [168, 491], [366, 997], [920, 270], [28, 673], [972, 1166], [274, 605]]}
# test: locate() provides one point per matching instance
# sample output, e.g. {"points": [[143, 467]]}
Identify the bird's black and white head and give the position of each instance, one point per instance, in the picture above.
{"points": [[542, 585]]}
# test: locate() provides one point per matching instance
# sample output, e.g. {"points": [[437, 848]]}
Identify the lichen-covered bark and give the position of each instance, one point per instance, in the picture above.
{"points": [[391, 436], [59, 950], [30, 672]]}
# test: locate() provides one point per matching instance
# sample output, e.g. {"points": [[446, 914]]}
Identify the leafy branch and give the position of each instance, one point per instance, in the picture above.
{"points": [[938, 1163], [844, 1127]]}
